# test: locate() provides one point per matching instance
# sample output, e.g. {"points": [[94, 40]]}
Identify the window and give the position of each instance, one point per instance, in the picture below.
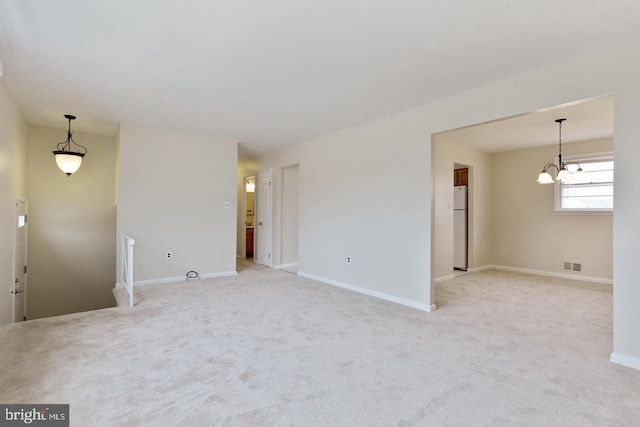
{"points": [[594, 195]]}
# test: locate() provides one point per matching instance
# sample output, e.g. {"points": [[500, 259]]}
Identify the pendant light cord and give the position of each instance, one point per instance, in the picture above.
{"points": [[562, 165]]}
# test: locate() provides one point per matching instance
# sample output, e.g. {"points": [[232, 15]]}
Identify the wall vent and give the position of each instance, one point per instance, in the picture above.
{"points": [[572, 266]]}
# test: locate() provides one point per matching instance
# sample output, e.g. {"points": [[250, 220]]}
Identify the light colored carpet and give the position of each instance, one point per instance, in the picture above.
{"points": [[269, 348]]}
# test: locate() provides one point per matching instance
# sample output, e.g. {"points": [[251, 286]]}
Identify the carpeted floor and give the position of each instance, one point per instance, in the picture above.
{"points": [[269, 348]]}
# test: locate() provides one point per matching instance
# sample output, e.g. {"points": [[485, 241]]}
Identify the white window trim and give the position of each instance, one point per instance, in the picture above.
{"points": [[588, 157]]}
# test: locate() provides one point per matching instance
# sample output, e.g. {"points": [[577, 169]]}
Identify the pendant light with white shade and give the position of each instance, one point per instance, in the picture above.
{"points": [[69, 161]]}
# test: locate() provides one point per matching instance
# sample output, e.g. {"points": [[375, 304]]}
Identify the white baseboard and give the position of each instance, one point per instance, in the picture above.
{"points": [[181, 278], [443, 278], [469, 270], [477, 269], [628, 361], [529, 271], [548, 274], [283, 266], [376, 294]]}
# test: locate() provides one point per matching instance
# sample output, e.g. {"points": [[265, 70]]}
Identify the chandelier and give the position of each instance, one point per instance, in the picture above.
{"points": [[565, 172]]}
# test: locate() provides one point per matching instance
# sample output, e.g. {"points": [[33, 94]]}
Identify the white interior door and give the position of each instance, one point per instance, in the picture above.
{"points": [[18, 291], [263, 225]]}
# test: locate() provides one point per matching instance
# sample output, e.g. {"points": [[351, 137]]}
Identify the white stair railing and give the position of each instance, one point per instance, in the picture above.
{"points": [[125, 274]]}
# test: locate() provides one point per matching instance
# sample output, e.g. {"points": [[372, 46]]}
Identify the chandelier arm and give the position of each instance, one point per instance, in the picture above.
{"points": [[573, 163], [550, 165], [81, 146], [63, 146], [66, 145]]}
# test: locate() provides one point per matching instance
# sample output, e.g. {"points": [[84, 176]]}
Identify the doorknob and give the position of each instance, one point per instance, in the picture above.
{"points": [[259, 223]]}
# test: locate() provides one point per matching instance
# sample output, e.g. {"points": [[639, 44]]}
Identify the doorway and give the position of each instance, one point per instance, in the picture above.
{"points": [[507, 207], [264, 214], [19, 287], [249, 186], [460, 217]]}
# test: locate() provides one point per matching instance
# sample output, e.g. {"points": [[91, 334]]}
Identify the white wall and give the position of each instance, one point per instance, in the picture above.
{"points": [[290, 207], [626, 238], [172, 189], [72, 225], [363, 194], [480, 203], [13, 182], [529, 235], [387, 227]]}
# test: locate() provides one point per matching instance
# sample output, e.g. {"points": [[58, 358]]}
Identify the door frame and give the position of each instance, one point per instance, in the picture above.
{"points": [[17, 200]]}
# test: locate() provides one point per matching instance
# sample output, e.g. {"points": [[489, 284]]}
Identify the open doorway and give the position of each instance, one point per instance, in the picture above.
{"points": [[19, 287], [461, 211], [248, 210], [512, 217]]}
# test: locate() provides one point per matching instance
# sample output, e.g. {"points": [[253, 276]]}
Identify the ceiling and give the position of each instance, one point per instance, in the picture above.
{"points": [[590, 119], [274, 73]]}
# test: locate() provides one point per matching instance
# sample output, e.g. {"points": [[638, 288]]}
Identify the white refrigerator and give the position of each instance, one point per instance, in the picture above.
{"points": [[460, 227]]}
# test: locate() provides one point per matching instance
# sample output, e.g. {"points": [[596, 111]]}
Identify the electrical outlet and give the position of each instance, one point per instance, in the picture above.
{"points": [[348, 260], [227, 205], [168, 255]]}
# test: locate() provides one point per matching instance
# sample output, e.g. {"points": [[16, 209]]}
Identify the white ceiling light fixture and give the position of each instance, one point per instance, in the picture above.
{"points": [[566, 172], [69, 161]]}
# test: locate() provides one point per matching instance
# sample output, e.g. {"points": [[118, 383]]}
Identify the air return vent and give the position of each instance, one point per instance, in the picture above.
{"points": [[572, 266]]}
